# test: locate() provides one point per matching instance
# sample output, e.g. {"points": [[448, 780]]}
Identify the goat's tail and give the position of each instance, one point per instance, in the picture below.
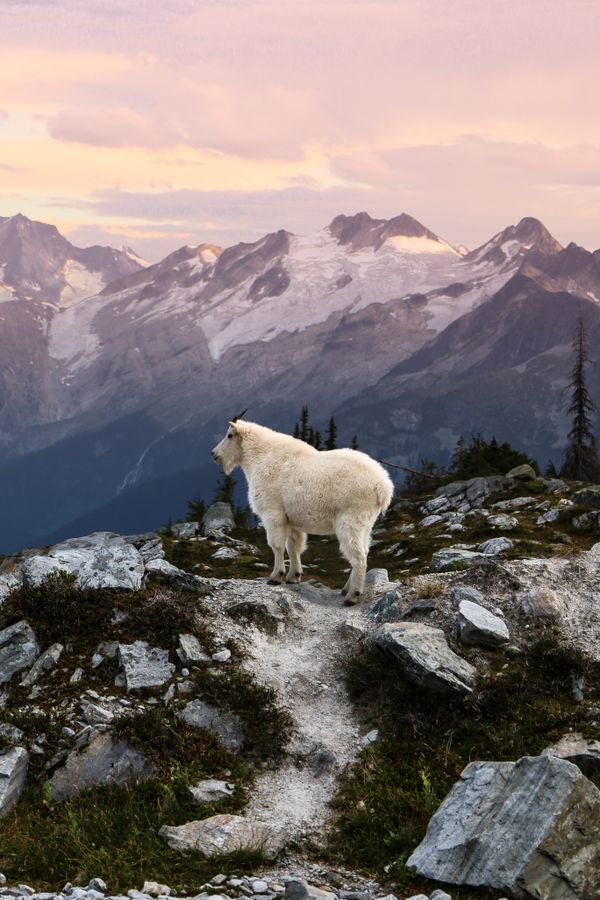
{"points": [[384, 490]]}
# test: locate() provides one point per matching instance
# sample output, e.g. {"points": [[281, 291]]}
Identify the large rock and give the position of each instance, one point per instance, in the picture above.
{"points": [[224, 834], [191, 652], [494, 546], [13, 774], [588, 496], [583, 752], [479, 626], [522, 473], [227, 726], [100, 762], [144, 666], [99, 560], [298, 889], [185, 530], [10, 580], [218, 517], [18, 650], [423, 654], [453, 558], [530, 828]]}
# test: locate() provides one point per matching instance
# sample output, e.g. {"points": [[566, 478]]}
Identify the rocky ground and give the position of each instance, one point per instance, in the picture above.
{"points": [[167, 715]]}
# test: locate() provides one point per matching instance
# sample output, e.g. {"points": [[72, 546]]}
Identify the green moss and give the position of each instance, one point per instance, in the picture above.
{"points": [[112, 831]]}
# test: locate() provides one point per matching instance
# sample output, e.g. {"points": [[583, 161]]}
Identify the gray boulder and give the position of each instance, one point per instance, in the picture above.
{"points": [[462, 592], [522, 473], [44, 663], [10, 580], [587, 521], [13, 774], [224, 834], [18, 650], [100, 762], [99, 560], [453, 557], [218, 517], [583, 752], [144, 666], [386, 608], [211, 790], [503, 522], [227, 726], [191, 652], [479, 626], [424, 656], [298, 889], [430, 520], [495, 546], [588, 496], [530, 828]]}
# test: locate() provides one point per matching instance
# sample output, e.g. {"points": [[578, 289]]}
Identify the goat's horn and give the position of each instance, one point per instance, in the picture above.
{"points": [[235, 418]]}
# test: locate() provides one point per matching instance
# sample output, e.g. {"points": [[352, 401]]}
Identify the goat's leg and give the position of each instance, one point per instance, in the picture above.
{"points": [[277, 532], [353, 543], [295, 545]]}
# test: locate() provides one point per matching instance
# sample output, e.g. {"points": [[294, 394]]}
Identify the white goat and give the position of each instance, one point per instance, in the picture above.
{"points": [[296, 489]]}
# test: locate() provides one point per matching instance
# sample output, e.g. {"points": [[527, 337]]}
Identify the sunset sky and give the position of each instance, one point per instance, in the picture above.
{"points": [[157, 123]]}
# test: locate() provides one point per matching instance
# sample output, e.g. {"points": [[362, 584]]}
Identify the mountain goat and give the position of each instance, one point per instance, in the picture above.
{"points": [[296, 489]]}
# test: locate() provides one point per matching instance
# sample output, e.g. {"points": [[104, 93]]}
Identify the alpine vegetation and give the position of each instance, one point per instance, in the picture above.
{"points": [[295, 489]]}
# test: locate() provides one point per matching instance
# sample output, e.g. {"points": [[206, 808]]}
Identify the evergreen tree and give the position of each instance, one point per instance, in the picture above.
{"points": [[317, 440], [296, 431], [225, 489], [354, 443], [418, 482], [551, 470], [581, 456], [304, 425], [195, 510], [331, 439], [481, 457]]}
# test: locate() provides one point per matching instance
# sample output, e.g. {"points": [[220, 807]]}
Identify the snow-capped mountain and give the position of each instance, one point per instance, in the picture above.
{"points": [[132, 384], [38, 263]]}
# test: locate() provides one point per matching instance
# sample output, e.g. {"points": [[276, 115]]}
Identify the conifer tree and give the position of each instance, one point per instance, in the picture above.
{"points": [[581, 456], [331, 439], [225, 489], [304, 425], [354, 443]]}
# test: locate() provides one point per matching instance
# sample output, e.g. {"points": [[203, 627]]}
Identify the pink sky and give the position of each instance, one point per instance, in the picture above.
{"points": [[163, 123]]}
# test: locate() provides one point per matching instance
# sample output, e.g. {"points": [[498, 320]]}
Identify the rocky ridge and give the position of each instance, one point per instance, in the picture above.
{"points": [[179, 633]]}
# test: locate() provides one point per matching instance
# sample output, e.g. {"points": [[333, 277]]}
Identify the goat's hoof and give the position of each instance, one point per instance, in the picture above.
{"points": [[274, 581], [350, 601], [344, 592]]}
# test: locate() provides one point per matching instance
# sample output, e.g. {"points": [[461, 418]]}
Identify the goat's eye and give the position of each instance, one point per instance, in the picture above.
{"points": [[229, 436]]}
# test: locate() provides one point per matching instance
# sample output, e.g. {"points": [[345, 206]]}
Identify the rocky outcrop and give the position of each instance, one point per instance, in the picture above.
{"points": [[424, 656], [102, 761], [227, 726], [13, 773], [588, 496], [454, 558], [531, 828], [218, 517], [99, 560], [211, 790], [583, 752]]}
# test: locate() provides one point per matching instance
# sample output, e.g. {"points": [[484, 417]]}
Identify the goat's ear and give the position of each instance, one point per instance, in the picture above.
{"points": [[234, 427]]}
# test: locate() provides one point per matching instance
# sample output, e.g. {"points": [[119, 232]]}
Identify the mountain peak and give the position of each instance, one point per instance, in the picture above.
{"points": [[361, 230], [529, 234]]}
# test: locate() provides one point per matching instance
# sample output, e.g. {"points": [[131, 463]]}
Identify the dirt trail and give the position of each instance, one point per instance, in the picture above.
{"points": [[302, 663]]}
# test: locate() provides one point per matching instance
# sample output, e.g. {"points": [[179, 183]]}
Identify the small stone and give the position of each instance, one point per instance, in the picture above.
{"points": [[428, 521], [145, 666], [553, 515], [219, 879], [154, 889], [260, 887], [462, 592], [522, 473], [191, 652], [211, 790], [97, 884], [13, 773], [76, 676], [97, 660], [18, 650], [370, 738], [222, 655], [540, 604]]}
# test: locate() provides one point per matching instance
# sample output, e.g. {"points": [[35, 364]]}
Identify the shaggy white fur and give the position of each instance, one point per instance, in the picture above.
{"points": [[296, 490]]}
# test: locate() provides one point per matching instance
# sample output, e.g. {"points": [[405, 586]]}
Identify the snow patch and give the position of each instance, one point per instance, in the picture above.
{"points": [[80, 283], [419, 245]]}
